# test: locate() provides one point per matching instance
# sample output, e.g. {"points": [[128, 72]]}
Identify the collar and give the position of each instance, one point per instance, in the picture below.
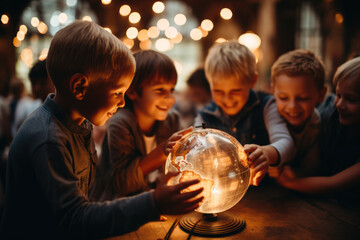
{"points": [[54, 109], [215, 110]]}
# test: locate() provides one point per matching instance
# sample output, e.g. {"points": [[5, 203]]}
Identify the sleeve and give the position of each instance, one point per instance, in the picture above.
{"points": [[124, 156], [75, 215], [279, 134]]}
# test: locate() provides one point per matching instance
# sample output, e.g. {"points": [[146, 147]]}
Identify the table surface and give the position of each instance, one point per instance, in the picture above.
{"points": [[272, 212]]}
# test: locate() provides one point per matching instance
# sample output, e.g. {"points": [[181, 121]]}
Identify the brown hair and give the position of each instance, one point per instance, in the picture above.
{"points": [[300, 62], [152, 68], [87, 48]]}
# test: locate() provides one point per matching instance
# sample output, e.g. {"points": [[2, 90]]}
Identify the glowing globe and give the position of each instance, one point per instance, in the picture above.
{"points": [[218, 160]]}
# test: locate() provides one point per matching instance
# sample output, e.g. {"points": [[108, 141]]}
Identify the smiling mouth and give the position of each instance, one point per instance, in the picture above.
{"points": [[163, 108], [294, 115]]}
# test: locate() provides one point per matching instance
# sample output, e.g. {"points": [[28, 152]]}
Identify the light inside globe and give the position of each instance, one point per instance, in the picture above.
{"points": [[218, 160]]}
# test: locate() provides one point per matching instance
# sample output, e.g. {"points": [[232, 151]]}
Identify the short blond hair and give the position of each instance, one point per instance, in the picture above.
{"points": [[230, 59], [300, 62], [348, 70], [87, 48]]}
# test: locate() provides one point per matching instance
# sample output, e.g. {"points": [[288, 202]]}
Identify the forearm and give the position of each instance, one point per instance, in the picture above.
{"points": [[153, 160], [344, 180]]}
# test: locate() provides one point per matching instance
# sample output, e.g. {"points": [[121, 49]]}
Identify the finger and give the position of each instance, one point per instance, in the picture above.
{"points": [[260, 159], [165, 178], [186, 130], [254, 156], [180, 186], [188, 195], [248, 148]]}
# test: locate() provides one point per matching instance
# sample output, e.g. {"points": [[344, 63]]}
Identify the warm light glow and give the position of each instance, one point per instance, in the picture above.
{"points": [[43, 54], [124, 10], [134, 17], [163, 24], [23, 28], [4, 19], [108, 29], [42, 28], [27, 56], [106, 2], [87, 18], [20, 35], [339, 18], [196, 34], [129, 43], [177, 39], [180, 19], [220, 40], [207, 25], [143, 35], [16, 42], [226, 13], [63, 18], [162, 44], [251, 40], [35, 22], [132, 32], [145, 45], [171, 32], [158, 7], [153, 32]]}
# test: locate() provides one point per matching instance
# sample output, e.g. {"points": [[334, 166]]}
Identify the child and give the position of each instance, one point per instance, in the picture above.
{"points": [[340, 141], [298, 83], [136, 142], [242, 112], [41, 84], [52, 159]]}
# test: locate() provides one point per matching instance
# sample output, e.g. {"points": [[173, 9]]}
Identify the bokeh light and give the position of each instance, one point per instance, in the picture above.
{"points": [[87, 18], [4, 19], [132, 32], [171, 32], [207, 25], [163, 24], [143, 35], [158, 7], [180, 19], [35, 21], [134, 17], [196, 34], [162, 44], [129, 43], [153, 32], [106, 2], [226, 13], [251, 40], [124, 10]]}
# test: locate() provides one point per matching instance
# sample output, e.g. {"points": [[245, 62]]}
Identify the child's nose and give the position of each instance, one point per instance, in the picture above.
{"points": [[121, 102]]}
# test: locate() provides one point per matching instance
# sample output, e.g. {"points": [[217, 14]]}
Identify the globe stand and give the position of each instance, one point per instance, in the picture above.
{"points": [[212, 225]]}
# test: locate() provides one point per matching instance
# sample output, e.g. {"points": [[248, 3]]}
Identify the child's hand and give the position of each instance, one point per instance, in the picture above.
{"points": [[170, 200], [174, 138], [286, 177], [258, 158], [275, 172]]}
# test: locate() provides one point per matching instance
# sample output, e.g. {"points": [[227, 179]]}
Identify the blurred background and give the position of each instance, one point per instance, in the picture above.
{"points": [[184, 30]]}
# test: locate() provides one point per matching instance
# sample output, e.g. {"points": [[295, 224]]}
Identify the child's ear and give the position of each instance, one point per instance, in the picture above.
{"points": [[131, 94], [79, 84], [254, 80]]}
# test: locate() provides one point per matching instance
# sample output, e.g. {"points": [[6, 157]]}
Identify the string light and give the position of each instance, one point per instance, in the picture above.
{"points": [[158, 7], [106, 2], [124, 10], [4, 19], [134, 17], [180, 19], [226, 13]]}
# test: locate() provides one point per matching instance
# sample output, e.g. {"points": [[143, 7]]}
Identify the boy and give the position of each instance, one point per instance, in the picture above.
{"points": [[136, 143], [340, 141], [52, 159], [297, 79], [41, 84], [242, 112]]}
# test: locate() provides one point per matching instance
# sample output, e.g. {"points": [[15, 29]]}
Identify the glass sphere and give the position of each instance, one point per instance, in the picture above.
{"points": [[218, 160]]}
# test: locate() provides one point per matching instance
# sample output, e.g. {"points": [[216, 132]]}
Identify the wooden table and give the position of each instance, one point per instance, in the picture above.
{"points": [[272, 212]]}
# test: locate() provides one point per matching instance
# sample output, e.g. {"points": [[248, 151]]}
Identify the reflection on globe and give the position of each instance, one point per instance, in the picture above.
{"points": [[218, 160]]}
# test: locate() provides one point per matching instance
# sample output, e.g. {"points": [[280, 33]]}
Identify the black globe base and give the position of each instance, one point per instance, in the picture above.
{"points": [[212, 225]]}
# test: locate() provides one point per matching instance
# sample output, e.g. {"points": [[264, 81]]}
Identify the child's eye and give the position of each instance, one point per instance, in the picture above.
{"points": [[118, 94], [283, 98]]}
